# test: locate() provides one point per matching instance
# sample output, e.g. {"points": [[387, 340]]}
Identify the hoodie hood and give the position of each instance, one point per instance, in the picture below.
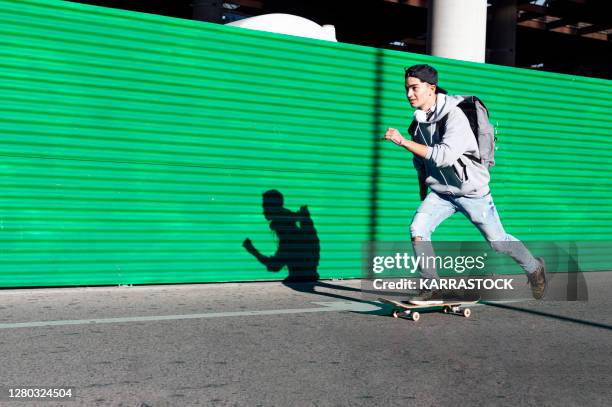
{"points": [[444, 104]]}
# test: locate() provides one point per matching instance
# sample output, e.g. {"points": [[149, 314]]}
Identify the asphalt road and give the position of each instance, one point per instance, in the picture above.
{"points": [[267, 344]]}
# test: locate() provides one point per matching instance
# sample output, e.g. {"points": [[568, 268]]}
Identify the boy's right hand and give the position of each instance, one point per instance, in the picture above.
{"points": [[395, 136]]}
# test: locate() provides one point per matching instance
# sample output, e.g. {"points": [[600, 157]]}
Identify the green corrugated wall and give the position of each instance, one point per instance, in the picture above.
{"points": [[135, 148]]}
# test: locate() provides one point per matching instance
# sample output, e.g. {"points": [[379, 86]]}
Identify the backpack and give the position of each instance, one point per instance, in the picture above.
{"points": [[478, 116]]}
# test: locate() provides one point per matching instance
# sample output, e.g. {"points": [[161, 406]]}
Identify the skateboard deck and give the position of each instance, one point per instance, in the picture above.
{"points": [[401, 309]]}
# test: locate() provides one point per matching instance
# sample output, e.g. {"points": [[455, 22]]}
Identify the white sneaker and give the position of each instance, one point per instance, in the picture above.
{"points": [[427, 298]]}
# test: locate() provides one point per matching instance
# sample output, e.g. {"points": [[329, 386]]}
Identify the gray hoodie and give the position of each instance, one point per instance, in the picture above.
{"points": [[448, 168]]}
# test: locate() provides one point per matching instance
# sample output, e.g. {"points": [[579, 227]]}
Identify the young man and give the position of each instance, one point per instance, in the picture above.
{"points": [[447, 161]]}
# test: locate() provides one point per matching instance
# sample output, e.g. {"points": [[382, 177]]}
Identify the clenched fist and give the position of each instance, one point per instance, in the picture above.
{"points": [[395, 136], [248, 245]]}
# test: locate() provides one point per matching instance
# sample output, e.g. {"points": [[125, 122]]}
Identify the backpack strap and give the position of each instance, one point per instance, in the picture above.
{"points": [[442, 123], [412, 128]]}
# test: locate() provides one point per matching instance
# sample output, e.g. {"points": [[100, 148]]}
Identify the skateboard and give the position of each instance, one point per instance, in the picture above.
{"points": [[448, 307]]}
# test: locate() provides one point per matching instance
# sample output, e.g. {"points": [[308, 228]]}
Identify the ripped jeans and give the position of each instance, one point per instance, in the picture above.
{"points": [[482, 213]]}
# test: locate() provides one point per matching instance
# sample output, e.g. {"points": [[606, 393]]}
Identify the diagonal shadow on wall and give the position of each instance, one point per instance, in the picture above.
{"points": [[375, 166]]}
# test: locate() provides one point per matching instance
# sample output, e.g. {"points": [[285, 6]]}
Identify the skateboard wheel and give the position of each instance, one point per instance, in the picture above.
{"points": [[415, 316], [446, 309], [467, 312], [395, 313]]}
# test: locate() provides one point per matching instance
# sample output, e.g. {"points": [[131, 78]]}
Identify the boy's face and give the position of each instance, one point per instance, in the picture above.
{"points": [[419, 93]]}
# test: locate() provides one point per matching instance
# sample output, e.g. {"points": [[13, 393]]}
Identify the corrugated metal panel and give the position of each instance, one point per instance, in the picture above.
{"points": [[135, 148]]}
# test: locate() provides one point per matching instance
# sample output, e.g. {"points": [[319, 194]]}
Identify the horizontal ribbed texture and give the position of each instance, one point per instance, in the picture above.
{"points": [[136, 148]]}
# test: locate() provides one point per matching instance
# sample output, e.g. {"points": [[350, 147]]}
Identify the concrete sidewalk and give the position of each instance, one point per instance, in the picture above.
{"points": [[268, 344]]}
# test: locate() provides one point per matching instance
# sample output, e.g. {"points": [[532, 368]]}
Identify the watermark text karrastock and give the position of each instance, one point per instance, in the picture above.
{"points": [[444, 284]]}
